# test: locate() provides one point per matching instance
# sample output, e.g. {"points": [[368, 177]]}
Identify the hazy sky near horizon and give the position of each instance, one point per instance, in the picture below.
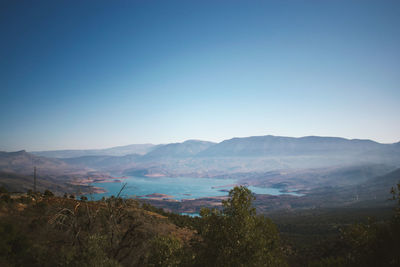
{"points": [[95, 74]]}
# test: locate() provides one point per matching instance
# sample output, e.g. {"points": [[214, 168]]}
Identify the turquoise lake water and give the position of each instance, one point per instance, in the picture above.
{"points": [[178, 188]]}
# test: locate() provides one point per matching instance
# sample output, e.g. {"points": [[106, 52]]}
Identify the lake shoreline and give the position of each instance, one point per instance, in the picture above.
{"points": [[173, 189]]}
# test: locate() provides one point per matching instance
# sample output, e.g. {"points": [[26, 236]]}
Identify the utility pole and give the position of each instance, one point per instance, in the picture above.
{"points": [[34, 179]]}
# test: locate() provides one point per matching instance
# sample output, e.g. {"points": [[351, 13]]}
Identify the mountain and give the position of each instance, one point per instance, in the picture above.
{"points": [[140, 149], [23, 162], [305, 163], [16, 172], [261, 146], [186, 149], [245, 155], [14, 182], [195, 158]]}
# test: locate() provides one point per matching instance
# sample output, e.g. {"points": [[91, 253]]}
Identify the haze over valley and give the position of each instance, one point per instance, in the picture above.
{"points": [[306, 167]]}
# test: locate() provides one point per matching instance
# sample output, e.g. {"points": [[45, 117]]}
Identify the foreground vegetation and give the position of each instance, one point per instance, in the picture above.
{"points": [[44, 230]]}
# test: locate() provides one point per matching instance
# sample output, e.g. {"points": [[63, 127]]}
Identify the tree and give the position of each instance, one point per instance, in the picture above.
{"points": [[236, 236], [3, 190], [48, 193], [395, 192]]}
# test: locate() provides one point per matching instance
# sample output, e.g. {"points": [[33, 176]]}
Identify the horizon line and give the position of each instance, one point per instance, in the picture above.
{"points": [[203, 140]]}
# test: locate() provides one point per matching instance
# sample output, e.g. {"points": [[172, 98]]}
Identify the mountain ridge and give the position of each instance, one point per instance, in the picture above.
{"points": [[143, 149], [281, 145], [188, 148], [140, 149], [197, 158]]}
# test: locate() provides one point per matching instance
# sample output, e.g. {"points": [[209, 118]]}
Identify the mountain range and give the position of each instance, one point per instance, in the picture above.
{"points": [[140, 149], [250, 154], [16, 173], [286, 162], [254, 146]]}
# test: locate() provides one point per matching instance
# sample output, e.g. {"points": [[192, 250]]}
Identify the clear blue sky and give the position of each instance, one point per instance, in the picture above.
{"points": [[94, 74]]}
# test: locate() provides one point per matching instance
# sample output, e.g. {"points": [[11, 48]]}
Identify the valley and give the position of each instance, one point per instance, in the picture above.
{"points": [[285, 173]]}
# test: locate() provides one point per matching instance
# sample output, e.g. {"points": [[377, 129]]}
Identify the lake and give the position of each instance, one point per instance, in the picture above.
{"points": [[175, 187]]}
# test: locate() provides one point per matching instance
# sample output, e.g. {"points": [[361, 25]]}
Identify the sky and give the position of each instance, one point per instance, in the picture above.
{"points": [[96, 74]]}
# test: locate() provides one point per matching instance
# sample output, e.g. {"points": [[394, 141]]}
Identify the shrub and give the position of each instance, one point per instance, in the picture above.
{"points": [[166, 251], [3, 190], [6, 198], [48, 193]]}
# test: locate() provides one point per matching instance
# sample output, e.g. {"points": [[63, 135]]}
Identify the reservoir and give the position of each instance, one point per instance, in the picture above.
{"points": [[177, 188]]}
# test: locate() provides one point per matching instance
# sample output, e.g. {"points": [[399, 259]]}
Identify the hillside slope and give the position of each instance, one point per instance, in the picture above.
{"points": [[16, 173], [140, 149], [186, 149], [259, 146]]}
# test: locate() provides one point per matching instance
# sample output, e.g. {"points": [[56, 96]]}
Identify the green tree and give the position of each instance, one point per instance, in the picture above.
{"points": [[236, 236], [3, 190], [48, 193], [396, 197]]}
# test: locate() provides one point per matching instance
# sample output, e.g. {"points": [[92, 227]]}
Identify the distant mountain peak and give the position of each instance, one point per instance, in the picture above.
{"points": [[269, 145], [196, 141], [113, 151], [20, 152], [176, 150]]}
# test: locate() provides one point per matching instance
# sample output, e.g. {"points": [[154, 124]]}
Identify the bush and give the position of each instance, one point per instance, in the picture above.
{"points": [[14, 246], [3, 190], [5, 198], [48, 193], [166, 251]]}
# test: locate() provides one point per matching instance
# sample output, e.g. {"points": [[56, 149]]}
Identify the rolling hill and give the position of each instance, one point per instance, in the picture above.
{"points": [[16, 173], [238, 155], [310, 161], [186, 149], [261, 146], [140, 149]]}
